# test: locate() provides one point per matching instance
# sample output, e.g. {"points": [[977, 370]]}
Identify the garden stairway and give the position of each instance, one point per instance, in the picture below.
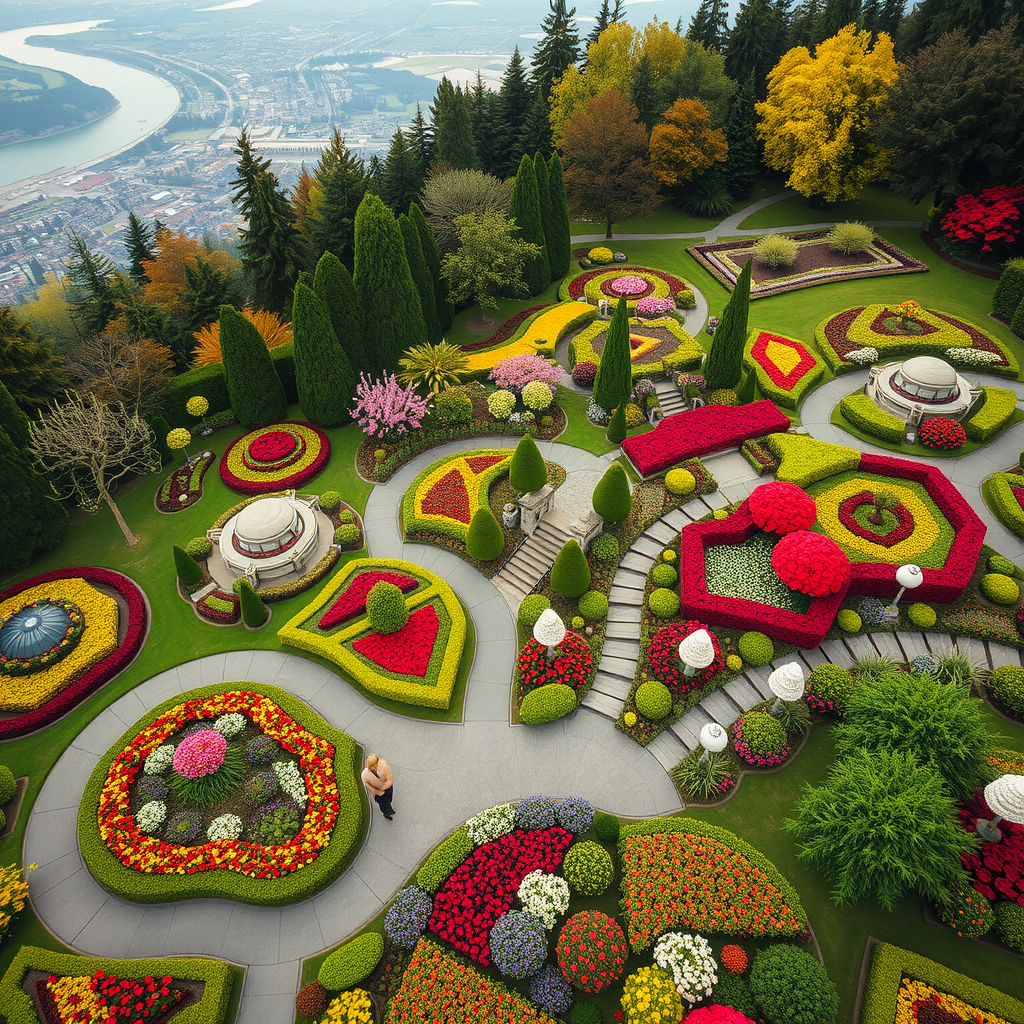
{"points": [[669, 397], [533, 558]]}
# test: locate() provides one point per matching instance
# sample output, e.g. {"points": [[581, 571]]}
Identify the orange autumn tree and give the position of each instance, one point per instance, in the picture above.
{"points": [[167, 287], [685, 145], [272, 331]]}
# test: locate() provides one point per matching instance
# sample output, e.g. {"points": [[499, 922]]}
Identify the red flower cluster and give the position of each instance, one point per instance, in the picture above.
{"points": [[811, 563], [572, 665], [406, 651], [484, 886], [717, 1014], [992, 216], [997, 868], [942, 432], [448, 497], [275, 446], [901, 531], [592, 951], [781, 507], [352, 600], [135, 1000], [663, 657]]}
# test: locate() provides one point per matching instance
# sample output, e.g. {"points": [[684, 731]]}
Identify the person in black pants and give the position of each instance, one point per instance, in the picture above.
{"points": [[377, 779]]}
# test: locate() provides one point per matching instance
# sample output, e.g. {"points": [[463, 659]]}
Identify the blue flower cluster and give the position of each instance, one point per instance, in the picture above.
{"points": [[407, 919], [550, 991], [519, 943], [535, 812], [874, 612], [923, 663], [574, 814]]}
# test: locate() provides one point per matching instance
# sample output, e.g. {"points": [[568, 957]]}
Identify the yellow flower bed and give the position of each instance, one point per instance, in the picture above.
{"points": [[912, 992], [74, 995], [539, 338], [13, 894], [99, 640], [352, 1007]]}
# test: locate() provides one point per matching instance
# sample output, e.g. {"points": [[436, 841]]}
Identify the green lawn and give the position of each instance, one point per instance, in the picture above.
{"points": [[668, 219], [876, 203]]}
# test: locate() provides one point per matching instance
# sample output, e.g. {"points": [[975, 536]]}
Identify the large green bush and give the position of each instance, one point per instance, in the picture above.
{"points": [[386, 608], [527, 471], [680, 481], [547, 703], [663, 602], [791, 987], [862, 412], [350, 964], [453, 406], [606, 826], [1007, 686], [484, 539], [775, 251], [828, 688], [664, 575], [653, 700], [187, 568], [733, 990], [588, 868], [257, 395], [570, 575], [612, 499], [1010, 924], [755, 648], [764, 734], [254, 611], [530, 610], [593, 605], [323, 374], [922, 615], [8, 786], [1009, 290]]}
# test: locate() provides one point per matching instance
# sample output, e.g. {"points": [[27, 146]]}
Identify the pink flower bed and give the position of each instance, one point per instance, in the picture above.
{"points": [[629, 285], [650, 306]]}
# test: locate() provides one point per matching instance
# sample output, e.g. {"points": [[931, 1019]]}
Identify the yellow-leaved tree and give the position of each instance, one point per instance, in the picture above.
{"points": [[685, 145], [817, 122]]}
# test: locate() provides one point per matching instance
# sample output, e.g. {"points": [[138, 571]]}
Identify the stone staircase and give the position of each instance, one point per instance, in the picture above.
{"points": [[669, 397], [532, 559]]}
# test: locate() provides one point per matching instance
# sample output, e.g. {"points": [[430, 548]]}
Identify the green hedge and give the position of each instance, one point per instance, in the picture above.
{"points": [[890, 964], [804, 460], [298, 885], [998, 405], [1003, 501], [862, 412], [216, 975], [547, 703], [444, 859], [351, 963]]}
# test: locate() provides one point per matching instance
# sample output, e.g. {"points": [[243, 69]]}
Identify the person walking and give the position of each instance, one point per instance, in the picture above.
{"points": [[377, 779]]}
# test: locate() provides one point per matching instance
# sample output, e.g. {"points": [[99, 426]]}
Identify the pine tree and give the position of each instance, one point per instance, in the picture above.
{"points": [[324, 377], [515, 96], [601, 22], [384, 285], [254, 611], [187, 568], [570, 575], [524, 209], [752, 43], [709, 25], [975, 17], [340, 181], [421, 277], [547, 218], [612, 499], [206, 290], [333, 286], [891, 16], [95, 281], [421, 140], [870, 12], [803, 28], [559, 255], [403, 176], [453, 127], [741, 164], [559, 48], [614, 381], [256, 393], [527, 472], [536, 134], [484, 539], [483, 112], [141, 247], [432, 255], [643, 92], [836, 15], [724, 364]]}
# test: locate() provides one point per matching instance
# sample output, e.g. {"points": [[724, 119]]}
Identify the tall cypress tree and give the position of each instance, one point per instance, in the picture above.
{"points": [[524, 209], [403, 177], [421, 277], [741, 134], [333, 286], [324, 377], [384, 285], [547, 217], [515, 97], [141, 247], [724, 365], [614, 381], [453, 127], [559, 48], [708, 25], [340, 182], [256, 393], [559, 256], [442, 304]]}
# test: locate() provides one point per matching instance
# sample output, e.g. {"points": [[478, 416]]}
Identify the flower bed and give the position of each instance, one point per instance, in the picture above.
{"points": [[184, 487], [274, 458], [670, 341], [687, 435], [45, 695], [996, 869], [537, 336], [507, 330], [1004, 494], [417, 665], [572, 665], [785, 368], [162, 813], [640, 282]]}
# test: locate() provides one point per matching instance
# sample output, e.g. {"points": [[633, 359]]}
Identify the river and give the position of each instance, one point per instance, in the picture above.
{"points": [[146, 103]]}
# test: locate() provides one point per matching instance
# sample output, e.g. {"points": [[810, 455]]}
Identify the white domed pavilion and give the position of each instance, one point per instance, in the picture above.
{"points": [[923, 386], [272, 536]]}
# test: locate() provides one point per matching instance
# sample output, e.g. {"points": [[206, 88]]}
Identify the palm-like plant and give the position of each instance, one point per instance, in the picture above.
{"points": [[437, 366], [884, 501]]}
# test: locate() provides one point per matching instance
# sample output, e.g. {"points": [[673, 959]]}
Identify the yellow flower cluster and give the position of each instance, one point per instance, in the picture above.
{"points": [[13, 894], [99, 641], [914, 992], [75, 999], [352, 1007], [649, 996], [539, 337]]}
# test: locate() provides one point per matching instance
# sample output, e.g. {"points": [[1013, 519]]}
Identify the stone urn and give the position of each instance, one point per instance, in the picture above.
{"points": [[510, 515]]}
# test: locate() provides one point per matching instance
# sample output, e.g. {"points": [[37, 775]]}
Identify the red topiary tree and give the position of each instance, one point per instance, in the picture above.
{"points": [[811, 563], [781, 507], [592, 951]]}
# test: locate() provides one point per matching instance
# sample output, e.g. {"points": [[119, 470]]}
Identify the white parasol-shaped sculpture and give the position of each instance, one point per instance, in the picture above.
{"points": [[1005, 797], [909, 577], [696, 652], [549, 631], [787, 683], [714, 739]]}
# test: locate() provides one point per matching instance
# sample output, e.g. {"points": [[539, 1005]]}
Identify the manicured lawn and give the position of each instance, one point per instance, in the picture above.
{"points": [[876, 203], [668, 219]]}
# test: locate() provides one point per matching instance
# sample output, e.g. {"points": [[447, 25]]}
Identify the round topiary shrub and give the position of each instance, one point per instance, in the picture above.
{"points": [[629, 719], [723, 396], [649, 994], [530, 610], [607, 827], [1007, 686], [585, 1013], [733, 662], [385, 608], [199, 547], [781, 507], [574, 814], [605, 547], [593, 605], [634, 415], [653, 700], [350, 964], [452, 407], [347, 535], [536, 395], [663, 602], [967, 912], [518, 944], [578, 622], [330, 502], [760, 739], [996, 563], [1000, 588], [811, 563], [775, 251], [922, 615], [591, 951], [346, 515], [501, 404], [311, 999], [584, 374], [734, 958], [755, 648], [828, 689], [680, 481], [8, 786], [791, 987], [664, 575], [588, 868], [1010, 924], [848, 620], [550, 991], [547, 703], [535, 812]]}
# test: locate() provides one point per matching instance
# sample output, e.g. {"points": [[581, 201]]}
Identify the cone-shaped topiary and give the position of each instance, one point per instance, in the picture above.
{"points": [[254, 611], [443, 305], [614, 380], [617, 431], [724, 364], [524, 209], [8, 785], [187, 568], [484, 539], [333, 285], [527, 472], [324, 377], [1009, 291], [570, 575], [421, 277], [161, 429], [256, 393], [560, 254], [386, 608], [612, 499], [546, 213]]}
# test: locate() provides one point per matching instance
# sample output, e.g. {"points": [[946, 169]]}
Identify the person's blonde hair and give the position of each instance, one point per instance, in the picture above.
{"points": [[372, 761]]}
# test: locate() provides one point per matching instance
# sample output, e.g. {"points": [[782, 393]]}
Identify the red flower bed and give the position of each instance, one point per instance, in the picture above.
{"points": [[407, 650], [244, 474], [901, 531], [484, 887], [122, 999], [352, 601], [781, 507], [100, 673], [448, 497], [572, 665], [688, 435], [943, 433], [273, 447], [997, 869], [784, 381], [591, 951], [663, 657], [811, 563], [992, 217]]}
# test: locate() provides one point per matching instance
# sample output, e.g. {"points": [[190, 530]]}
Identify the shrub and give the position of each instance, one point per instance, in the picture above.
{"points": [[536, 396], [649, 993], [444, 859], [653, 700], [634, 416], [535, 812], [775, 251], [584, 373], [593, 605], [385, 608], [570, 575], [550, 990], [605, 547], [607, 827], [530, 609], [578, 622], [849, 621], [763, 738], [254, 611], [862, 412], [1010, 924], [998, 405], [591, 951], [585, 1013], [1009, 290], [755, 648], [588, 868], [1006, 684], [350, 964], [453, 406], [791, 987], [921, 615], [966, 911], [999, 588], [547, 703], [702, 778], [484, 539], [311, 999], [996, 563], [734, 663], [574, 814], [680, 481], [612, 499], [187, 569], [347, 535], [518, 944], [199, 547], [501, 404], [664, 575], [663, 602], [733, 990], [943, 433], [849, 237], [527, 471], [781, 507], [723, 396], [828, 689], [330, 502], [407, 918]]}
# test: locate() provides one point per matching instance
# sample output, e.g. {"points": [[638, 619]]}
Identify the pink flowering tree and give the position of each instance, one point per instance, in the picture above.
{"points": [[385, 410], [515, 372]]}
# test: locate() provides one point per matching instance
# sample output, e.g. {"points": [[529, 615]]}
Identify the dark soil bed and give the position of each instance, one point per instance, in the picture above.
{"points": [[668, 342]]}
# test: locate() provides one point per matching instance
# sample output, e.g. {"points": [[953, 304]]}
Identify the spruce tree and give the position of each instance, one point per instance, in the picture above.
{"points": [[891, 15], [333, 285], [256, 393], [524, 209], [254, 611], [708, 25], [527, 472], [536, 134], [725, 361], [421, 277], [483, 103], [95, 280], [341, 179], [324, 377], [803, 26], [740, 132], [403, 177], [442, 304], [421, 140], [837, 14], [752, 44], [141, 247], [453, 127], [570, 575], [559, 254], [514, 97], [601, 22], [870, 12], [547, 219], [559, 48], [384, 286], [612, 499], [614, 381], [484, 539]]}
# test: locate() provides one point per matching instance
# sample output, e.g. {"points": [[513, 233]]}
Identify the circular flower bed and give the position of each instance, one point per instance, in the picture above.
{"points": [[811, 563], [781, 507], [942, 433], [275, 457], [663, 657], [592, 951], [39, 634], [760, 739], [630, 286], [572, 665], [594, 285]]}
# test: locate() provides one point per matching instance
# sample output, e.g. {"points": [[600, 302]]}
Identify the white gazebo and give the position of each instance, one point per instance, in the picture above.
{"points": [[696, 652], [787, 683], [1005, 798], [921, 387], [269, 538]]}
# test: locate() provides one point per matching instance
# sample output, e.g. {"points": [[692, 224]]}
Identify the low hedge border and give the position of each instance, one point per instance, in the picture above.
{"points": [[862, 412], [804, 460], [999, 404], [137, 886], [999, 496], [891, 964], [216, 975]]}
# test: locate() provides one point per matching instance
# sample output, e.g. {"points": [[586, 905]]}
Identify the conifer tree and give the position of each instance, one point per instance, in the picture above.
{"points": [[559, 48], [837, 14], [483, 109], [453, 127], [29, 367], [891, 15], [614, 380], [559, 255], [96, 286], [741, 164], [333, 286], [421, 277], [384, 285], [256, 393], [324, 377], [515, 97], [339, 183], [141, 247], [403, 177], [870, 12], [15, 422], [254, 611], [708, 25], [803, 26], [724, 364], [186, 567], [606, 17], [527, 472], [161, 428], [421, 140], [617, 432], [752, 43], [570, 575], [612, 499], [442, 304], [547, 218], [536, 133], [524, 209], [484, 539]]}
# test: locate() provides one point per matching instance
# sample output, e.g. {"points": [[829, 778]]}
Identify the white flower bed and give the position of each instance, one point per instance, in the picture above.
{"points": [[151, 816], [159, 760], [227, 826], [290, 778], [863, 356], [544, 896], [492, 823], [971, 356], [691, 963], [229, 726]]}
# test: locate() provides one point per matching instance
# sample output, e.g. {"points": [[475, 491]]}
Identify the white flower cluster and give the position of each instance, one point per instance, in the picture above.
{"points": [[688, 958], [492, 823], [227, 826], [863, 356], [229, 726], [290, 778], [544, 896], [159, 760], [151, 816], [971, 356]]}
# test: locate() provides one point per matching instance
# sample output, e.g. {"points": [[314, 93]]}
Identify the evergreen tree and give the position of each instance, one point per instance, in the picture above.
{"points": [[890, 16], [752, 43], [975, 17], [524, 209], [206, 290], [483, 104], [453, 127], [559, 255], [340, 181], [803, 28], [29, 367], [141, 247], [188, 570], [324, 377], [614, 381], [421, 140], [421, 277], [837, 14], [431, 254], [384, 285], [724, 364], [601, 22], [742, 163], [527, 472], [570, 575], [612, 499], [484, 539], [559, 48], [374, 170], [536, 133], [15, 422], [403, 177], [617, 431], [254, 611], [547, 219], [643, 92], [96, 283], [256, 393], [870, 12], [161, 428], [709, 25], [515, 97], [333, 286]]}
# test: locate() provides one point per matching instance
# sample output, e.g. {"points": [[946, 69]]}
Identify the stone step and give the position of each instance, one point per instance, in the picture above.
{"points": [[812, 657], [602, 704], [636, 561], [625, 595], [859, 646], [720, 708], [525, 568], [660, 532], [729, 468], [627, 579], [623, 631], [624, 668], [668, 749], [624, 613], [913, 645], [886, 645], [612, 686], [686, 731], [620, 649], [1000, 654], [715, 500], [646, 546], [757, 676], [676, 519], [742, 692], [837, 652]]}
